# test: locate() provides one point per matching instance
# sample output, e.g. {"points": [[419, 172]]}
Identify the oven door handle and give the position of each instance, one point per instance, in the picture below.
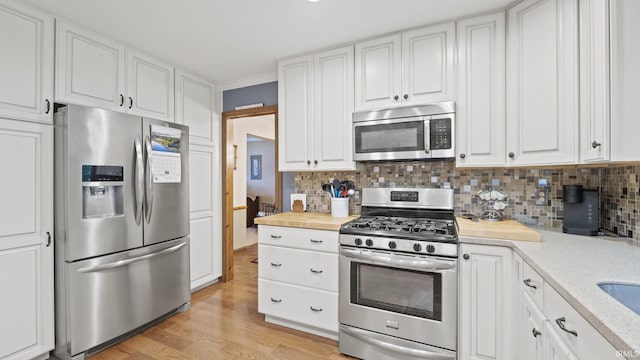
{"points": [[398, 261], [394, 348]]}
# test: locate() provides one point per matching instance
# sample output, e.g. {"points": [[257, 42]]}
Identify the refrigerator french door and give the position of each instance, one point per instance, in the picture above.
{"points": [[122, 225]]}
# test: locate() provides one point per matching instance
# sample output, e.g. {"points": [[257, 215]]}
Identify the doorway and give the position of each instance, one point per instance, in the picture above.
{"points": [[229, 156]]}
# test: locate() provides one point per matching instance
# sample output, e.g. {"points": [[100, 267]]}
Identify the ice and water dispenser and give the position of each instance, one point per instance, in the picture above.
{"points": [[102, 191]]}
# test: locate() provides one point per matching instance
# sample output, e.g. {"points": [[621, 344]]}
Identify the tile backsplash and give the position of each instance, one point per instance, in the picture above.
{"points": [[618, 186]]}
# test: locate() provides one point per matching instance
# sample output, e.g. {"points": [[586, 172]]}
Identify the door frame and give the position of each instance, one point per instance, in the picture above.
{"points": [[227, 179]]}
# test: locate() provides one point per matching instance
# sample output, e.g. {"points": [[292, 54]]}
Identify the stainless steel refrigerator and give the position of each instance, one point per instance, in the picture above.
{"points": [[121, 225]]}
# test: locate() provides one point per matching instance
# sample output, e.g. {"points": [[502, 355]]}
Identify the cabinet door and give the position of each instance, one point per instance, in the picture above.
{"points": [[333, 108], [149, 86], [625, 80], [378, 73], [485, 302], [195, 107], [428, 64], [542, 82], [26, 256], [481, 83], [295, 110], [89, 68], [554, 346], [206, 258], [26, 64], [594, 81], [531, 330]]}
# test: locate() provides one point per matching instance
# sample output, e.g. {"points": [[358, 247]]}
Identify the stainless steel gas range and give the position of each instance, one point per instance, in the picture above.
{"points": [[398, 276]]}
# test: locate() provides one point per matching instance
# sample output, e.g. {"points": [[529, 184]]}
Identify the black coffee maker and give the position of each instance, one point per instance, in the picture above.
{"points": [[581, 210]]}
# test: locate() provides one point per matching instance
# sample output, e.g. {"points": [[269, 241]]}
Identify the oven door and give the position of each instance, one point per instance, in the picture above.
{"points": [[394, 139], [407, 296]]}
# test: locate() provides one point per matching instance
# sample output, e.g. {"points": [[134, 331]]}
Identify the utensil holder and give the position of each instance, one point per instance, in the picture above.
{"points": [[340, 207]]}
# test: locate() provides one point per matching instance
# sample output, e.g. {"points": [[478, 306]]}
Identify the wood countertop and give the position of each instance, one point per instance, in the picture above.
{"points": [[504, 230], [318, 221]]}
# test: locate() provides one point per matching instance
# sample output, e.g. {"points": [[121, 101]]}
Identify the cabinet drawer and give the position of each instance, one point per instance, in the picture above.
{"points": [[305, 239], [588, 343], [295, 303], [533, 285], [301, 267]]}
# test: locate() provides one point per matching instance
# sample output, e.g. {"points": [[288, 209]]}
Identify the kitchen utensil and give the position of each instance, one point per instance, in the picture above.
{"points": [[351, 192], [328, 188], [470, 217], [336, 186]]}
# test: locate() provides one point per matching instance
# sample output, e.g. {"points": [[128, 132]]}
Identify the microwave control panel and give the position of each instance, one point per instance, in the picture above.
{"points": [[441, 135]]}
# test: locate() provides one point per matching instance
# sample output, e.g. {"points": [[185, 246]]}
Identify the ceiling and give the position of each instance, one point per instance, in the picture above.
{"points": [[238, 40]]}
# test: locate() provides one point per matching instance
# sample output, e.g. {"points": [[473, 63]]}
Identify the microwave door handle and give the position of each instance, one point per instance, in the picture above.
{"points": [[427, 136], [394, 348], [149, 177], [398, 261], [139, 180]]}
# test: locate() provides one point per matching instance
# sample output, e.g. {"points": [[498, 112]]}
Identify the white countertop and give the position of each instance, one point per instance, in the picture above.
{"points": [[573, 265]]}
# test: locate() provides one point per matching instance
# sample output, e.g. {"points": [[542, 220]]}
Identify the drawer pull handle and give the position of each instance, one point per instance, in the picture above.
{"points": [[535, 332], [316, 271], [276, 236], [560, 322], [276, 300], [316, 241], [275, 264], [528, 283], [315, 309]]}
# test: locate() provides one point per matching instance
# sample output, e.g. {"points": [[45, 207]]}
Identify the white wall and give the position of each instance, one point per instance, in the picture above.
{"points": [[265, 187], [260, 126]]}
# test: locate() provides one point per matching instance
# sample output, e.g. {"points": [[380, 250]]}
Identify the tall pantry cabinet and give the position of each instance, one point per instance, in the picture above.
{"points": [[26, 187]]}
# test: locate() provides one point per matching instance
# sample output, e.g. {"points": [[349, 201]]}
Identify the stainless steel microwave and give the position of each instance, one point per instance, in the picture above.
{"points": [[405, 133]]}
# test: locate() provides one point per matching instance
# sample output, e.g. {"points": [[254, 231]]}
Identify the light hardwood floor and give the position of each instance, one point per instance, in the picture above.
{"points": [[224, 323]]}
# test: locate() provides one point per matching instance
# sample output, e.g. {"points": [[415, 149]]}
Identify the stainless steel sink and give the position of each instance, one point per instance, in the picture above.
{"points": [[627, 294]]}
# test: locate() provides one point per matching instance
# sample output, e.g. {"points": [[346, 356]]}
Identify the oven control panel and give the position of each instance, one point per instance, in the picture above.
{"points": [[400, 245], [410, 196]]}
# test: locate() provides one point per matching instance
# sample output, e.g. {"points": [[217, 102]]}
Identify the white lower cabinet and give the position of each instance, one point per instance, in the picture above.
{"points": [[26, 244], [484, 299], [549, 327], [298, 278]]}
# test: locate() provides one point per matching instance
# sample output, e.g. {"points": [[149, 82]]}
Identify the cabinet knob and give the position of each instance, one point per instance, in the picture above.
{"points": [[308, 162], [48, 106], [595, 144], [528, 283], [406, 96], [315, 162], [121, 100], [130, 102], [463, 155], [561, 325], [48, 239], [512, 155], [465, 256], [396, 98], [535, 332]]}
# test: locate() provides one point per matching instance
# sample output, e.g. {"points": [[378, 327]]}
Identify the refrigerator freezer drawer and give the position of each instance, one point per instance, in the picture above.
{"points": [[114, 294]]}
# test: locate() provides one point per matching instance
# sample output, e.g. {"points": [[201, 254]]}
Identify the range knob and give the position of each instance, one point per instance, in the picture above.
{"points": [[358, 241], [431, 248], [369, 242], [417, 247], [392, 245]]}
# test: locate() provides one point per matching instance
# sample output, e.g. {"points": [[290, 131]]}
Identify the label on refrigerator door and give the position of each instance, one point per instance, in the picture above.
{"points": [[166, 162]]}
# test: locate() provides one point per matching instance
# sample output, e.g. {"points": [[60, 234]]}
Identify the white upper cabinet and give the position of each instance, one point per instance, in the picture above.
{"points": [[481, 91], [93, 70], [315, 105], [195, 107], [149, 86], [542, 82], [90, 69], [413, 67], [595, 142], [26, 63], [625, 79]]}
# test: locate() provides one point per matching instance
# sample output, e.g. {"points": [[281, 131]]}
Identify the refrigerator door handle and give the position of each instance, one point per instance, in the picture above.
{"points": [[139, 180], [125, 262], [149, 177]]}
